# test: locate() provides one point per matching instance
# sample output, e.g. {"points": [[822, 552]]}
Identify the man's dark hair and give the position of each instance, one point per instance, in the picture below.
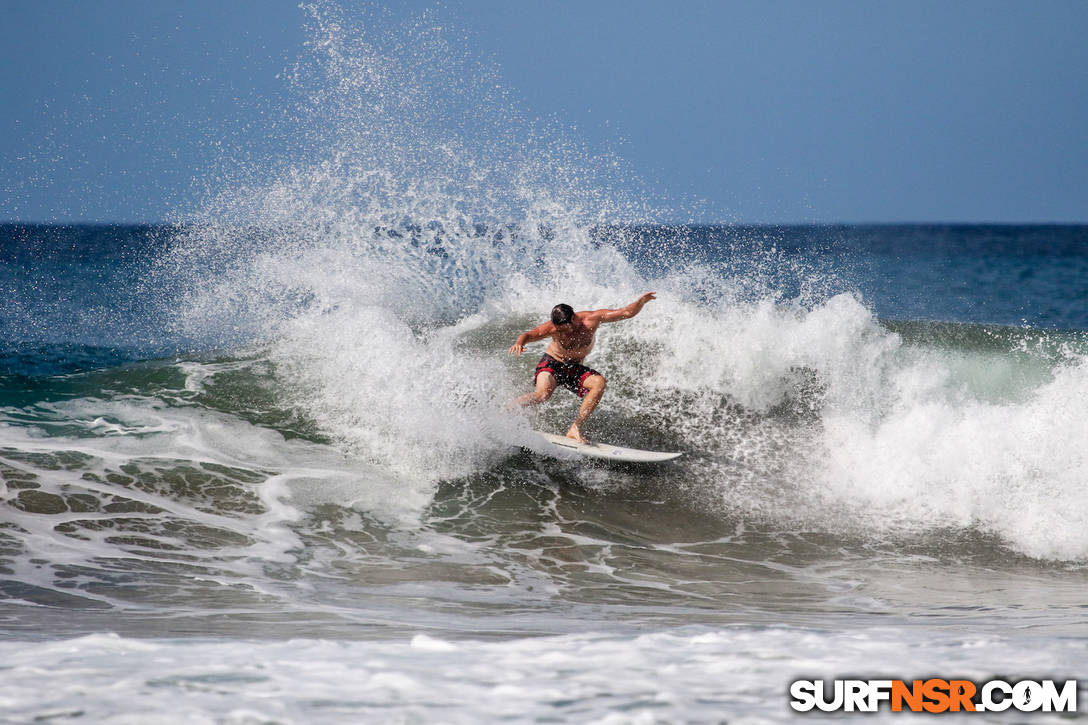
{"points": [[562, 314]]}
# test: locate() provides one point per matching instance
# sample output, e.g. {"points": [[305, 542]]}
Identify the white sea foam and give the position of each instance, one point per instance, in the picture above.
{"points": [[902, 443], [1008, 468], [695, 675], [166, 485]]}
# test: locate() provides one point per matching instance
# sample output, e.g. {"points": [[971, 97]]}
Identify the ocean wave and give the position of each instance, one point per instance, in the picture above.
{"points": [[356, 296], [391, 253]]}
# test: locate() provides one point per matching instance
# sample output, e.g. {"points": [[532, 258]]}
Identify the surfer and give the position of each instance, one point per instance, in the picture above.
{"points": [[573, 334]]}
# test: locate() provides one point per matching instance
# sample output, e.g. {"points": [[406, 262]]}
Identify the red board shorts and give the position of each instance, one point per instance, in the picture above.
{"points": [[571, 376]]}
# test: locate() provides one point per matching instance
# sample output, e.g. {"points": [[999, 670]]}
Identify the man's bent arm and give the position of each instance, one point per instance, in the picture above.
{"points": [[537, 333], [626, 313]]}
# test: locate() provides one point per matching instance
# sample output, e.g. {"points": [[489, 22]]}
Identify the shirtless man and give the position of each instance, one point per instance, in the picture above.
{"points": [[573, 334]]}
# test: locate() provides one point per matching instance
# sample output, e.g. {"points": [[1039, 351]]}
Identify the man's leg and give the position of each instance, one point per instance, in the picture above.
{"points": [[545, 386], [595, 385]]}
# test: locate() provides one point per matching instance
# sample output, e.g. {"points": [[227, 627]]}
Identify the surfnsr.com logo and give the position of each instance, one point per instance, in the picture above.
{"points": [[934, 695]]}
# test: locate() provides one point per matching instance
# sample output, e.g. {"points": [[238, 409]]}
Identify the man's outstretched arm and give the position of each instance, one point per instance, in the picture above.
{"points": [[537, 333], [626, 313]]}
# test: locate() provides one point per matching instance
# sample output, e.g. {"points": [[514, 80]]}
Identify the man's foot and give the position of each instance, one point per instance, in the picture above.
{"points": [[576, 434]]}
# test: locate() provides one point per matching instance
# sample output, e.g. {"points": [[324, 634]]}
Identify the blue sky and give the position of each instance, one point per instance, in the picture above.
{"points": [[762, 111]]}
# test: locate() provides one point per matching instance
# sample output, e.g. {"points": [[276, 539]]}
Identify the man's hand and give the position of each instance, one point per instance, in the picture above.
{"points": [[516, 349], [646, 298]]}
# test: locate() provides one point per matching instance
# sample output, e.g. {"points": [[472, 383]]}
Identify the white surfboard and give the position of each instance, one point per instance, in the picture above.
{"points": [[609, 451]]}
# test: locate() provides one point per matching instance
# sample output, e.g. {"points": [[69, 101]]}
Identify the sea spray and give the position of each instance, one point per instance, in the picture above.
{"points": [[417, 221], [412, 196]]}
